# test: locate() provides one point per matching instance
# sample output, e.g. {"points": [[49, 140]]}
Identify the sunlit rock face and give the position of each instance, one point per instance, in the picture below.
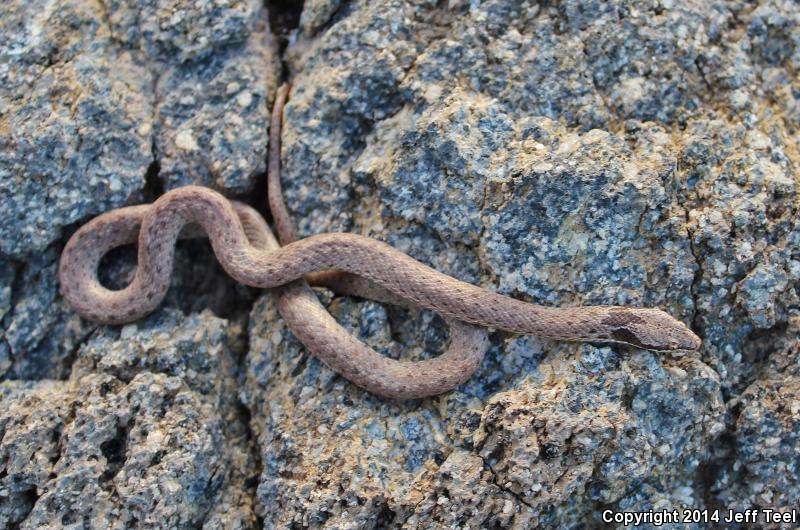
{"points": [[569, 153]]}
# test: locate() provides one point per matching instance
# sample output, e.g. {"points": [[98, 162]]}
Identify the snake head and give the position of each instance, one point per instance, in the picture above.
{"points": [[650, 329]]}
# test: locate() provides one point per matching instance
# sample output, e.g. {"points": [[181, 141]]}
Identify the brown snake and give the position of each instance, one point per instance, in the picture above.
{"points": [[249, 252]]}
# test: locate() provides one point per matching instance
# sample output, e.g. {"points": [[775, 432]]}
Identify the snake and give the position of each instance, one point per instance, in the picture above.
{"points": [[350, 263]]}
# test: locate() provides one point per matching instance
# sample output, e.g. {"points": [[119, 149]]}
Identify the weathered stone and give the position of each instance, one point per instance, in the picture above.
{"points": [[759, 465], [144, 433], [566, 153], [176, 31], [212, 117], [75, 123]]}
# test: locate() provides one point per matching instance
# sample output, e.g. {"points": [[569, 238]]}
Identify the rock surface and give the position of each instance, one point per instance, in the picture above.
{"points": [[144, 433], [569, 153]]}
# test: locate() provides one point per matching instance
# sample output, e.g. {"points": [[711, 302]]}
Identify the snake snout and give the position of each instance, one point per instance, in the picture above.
{"points": [[695, 342], [674, 335], [690, 342], [651, 329]]}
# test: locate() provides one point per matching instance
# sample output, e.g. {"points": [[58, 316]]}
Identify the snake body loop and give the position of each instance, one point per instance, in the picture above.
{"points": [[249, 252], [380, 263]]}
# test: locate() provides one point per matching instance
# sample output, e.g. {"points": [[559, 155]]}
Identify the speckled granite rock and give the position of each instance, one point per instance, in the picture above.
{"points": [[95, 100], [565, 436], [145, 433], [178, 30], [567, 153], [93, 94], [745, 237], [41, 335], [215, 135], [40, 332], [94, 103], [577, 153], [763, 453], [216, 63], [76, 120]]}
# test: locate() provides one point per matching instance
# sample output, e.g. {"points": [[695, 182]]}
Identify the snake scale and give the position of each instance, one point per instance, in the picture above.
{"points": [[353, 264]]}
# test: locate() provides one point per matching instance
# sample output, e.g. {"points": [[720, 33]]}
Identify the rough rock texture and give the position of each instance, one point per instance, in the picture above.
{"points": [[103, 105], [76, 118], [144, 433], [92, 94], [215, 136], [555, 440], [583, 152], [766, 437], [566, 153]]}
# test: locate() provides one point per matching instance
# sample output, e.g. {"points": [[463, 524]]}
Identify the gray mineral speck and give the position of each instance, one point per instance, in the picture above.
{"points": [[565, 153]]}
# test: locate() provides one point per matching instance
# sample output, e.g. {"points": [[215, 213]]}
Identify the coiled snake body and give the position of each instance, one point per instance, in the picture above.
{"points": [[248, 252]]}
